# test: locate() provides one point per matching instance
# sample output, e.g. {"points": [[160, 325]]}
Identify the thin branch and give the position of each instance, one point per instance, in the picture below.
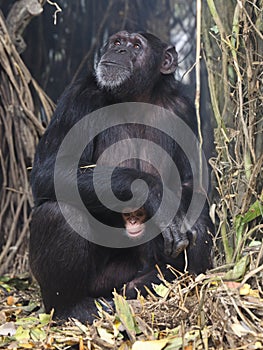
{"points": [[58, 10], [198, 86]]}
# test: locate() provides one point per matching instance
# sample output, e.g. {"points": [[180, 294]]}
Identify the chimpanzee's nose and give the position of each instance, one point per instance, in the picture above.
{"points": [[122, 50]]}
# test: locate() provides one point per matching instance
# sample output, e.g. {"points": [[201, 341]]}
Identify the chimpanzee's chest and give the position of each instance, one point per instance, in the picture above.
{"points": [[134, 146]]}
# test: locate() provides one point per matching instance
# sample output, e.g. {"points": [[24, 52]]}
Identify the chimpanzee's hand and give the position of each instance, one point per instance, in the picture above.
{"points": [[174, 241]]}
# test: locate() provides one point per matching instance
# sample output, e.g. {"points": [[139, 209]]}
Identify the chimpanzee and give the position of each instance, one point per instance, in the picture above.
{"points": [[136, 68]]}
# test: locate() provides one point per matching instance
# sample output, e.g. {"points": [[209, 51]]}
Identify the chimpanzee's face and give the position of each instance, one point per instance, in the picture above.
{"points": [[123, 57]]}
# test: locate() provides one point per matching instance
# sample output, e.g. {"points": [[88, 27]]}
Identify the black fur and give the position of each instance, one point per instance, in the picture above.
{"points": [[72, 271]]}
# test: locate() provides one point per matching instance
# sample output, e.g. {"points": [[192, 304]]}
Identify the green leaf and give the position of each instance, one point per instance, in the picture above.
{"points": [[21, 283], [255, 244], [22, 334], [240, 222], [160, 289], [214, 29], [31, 306], [238, 270], [125, 315], [38, 334], [253, 212], [44, 319], [28, 321], [189, 337]]}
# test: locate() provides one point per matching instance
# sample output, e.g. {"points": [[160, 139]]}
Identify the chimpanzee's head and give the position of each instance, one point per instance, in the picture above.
{"points": [[134, 61]]}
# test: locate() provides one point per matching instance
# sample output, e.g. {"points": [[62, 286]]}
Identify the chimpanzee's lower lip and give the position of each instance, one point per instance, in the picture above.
{"points": [[110, 63], [135, 233]]}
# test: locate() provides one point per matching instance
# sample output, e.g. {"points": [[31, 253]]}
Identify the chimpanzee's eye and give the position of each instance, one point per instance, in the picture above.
{"points": [[137, 46], [117, 43]]}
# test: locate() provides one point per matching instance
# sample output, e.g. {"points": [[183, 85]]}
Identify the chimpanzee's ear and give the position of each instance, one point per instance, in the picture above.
{"points": [[170, 61]]}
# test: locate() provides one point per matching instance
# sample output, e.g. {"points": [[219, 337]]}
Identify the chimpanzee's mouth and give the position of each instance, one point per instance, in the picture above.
{"points": [[110, 63], [135, 232]]}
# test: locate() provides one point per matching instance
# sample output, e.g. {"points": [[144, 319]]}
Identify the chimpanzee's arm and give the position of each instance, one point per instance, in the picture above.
{"points": [[121, 179]]}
